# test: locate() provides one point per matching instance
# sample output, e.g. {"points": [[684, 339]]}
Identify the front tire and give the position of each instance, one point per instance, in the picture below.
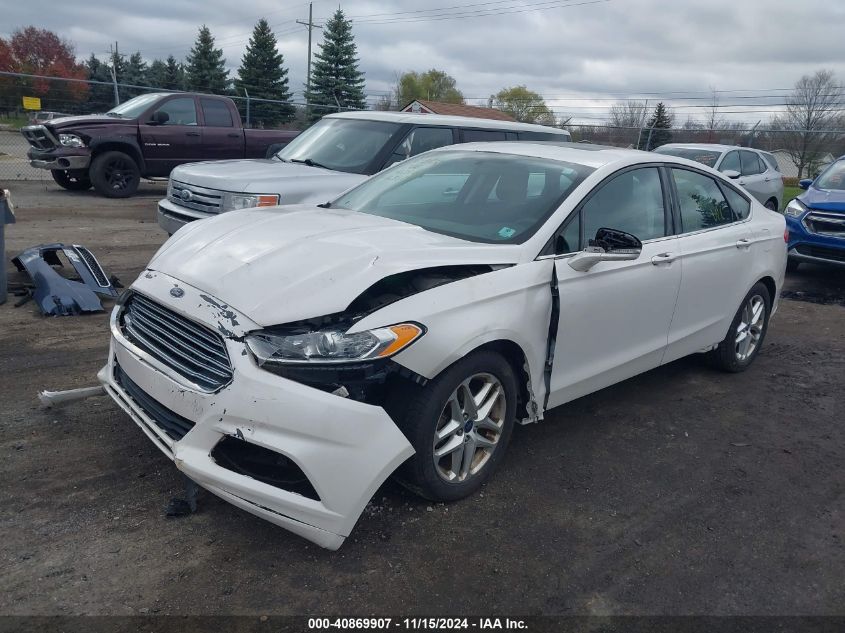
{"points": [[459, 424], [748, 330], [115, 174], [71, 179]]}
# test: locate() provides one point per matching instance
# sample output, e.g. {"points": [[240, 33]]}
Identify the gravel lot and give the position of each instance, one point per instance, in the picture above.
{"points": [[682, 491]]}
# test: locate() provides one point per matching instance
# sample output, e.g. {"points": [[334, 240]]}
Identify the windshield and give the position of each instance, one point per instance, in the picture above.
{"points": [[133, 108], [348, 145], [475, 196], [703, 156], [833, 177]]}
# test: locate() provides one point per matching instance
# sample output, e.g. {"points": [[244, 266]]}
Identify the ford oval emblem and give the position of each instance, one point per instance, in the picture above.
{"points": [[177, 292], [186, 195]]}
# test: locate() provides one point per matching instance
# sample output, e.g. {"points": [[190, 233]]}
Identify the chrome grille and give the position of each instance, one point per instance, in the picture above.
{"points": [[192, 197], [39, 137], [188, 348], [825, 223]]}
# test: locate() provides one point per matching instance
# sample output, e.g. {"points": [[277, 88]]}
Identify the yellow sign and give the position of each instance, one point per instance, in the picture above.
{"points": [[31, 103]]}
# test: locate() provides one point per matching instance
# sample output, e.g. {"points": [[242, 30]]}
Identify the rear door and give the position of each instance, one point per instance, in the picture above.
{"points": [[614, 318], [715, 247], [753, 175], [221, 138], [177, 141]]}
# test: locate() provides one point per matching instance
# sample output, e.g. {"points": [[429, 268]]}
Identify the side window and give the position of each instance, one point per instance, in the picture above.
{"points": [[739, 203], [770, 160], [472, 136], [569, 239], [750, 163], [216, 113], [419, 140], [731, 161], [702, 204], [542, 136], [630, 202], [182, 111]]}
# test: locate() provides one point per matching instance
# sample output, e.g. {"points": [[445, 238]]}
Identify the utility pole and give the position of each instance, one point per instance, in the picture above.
{"points": [[310, 24], [113, 71]]}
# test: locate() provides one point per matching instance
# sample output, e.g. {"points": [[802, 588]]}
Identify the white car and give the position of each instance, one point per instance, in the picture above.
{"points": [[289, 360], [753, 169]]}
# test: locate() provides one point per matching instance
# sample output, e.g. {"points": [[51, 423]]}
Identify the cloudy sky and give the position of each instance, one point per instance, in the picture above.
{"points": [[579, 54]]}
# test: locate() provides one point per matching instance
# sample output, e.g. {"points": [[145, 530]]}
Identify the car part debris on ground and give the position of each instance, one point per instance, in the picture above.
{"points": [[7, 211], [51, 399], [57, 295]]}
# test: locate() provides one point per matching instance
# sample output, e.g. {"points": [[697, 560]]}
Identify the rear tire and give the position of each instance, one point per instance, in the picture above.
{"points": [[71, 179], [745, 336], [115, 174], [459, 424]]}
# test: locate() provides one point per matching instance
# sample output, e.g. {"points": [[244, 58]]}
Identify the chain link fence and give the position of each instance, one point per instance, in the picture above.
{"points": [[74, 97]]}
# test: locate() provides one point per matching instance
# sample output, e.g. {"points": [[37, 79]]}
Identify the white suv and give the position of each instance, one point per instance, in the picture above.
{"points": [[336, 153], [755, 170]]}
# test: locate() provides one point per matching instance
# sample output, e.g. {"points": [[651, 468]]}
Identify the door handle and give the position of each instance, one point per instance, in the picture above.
{"points": [[743, 243], [663, 258], [192, 133]]}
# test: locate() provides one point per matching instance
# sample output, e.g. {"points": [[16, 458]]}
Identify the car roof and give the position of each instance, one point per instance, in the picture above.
{"points": [[579, 153], [443, 119], [716, 147]]}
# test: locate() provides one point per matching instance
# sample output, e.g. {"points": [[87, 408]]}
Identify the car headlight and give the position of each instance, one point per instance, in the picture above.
{"points": [[795, 208], [332, 345], [71, 140], [233, 201]]}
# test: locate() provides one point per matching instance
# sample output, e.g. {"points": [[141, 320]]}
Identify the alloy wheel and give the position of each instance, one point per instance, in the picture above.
{"points": [[469, 428], [118, 173], [750, 327]]}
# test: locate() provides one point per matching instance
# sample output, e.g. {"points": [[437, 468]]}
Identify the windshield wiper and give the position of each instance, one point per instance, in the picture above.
{"points": [[309, 162]]}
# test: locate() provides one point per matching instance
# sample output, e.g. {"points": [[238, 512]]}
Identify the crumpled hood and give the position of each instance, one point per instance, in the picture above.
{"points": [[86, 120], [824, 199], [284, 264], [266, 176]]}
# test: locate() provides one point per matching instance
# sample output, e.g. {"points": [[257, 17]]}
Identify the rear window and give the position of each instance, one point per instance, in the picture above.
{"points": [[216, 113], [703, 156], [471, 136], [770, 160], [543, 136]]}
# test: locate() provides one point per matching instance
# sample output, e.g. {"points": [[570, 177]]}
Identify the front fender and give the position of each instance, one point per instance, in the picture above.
{"points": [[512, 304]]}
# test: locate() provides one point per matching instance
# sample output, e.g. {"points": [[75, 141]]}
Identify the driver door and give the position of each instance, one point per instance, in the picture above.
{"points": [[178, 140], [615, 317]]}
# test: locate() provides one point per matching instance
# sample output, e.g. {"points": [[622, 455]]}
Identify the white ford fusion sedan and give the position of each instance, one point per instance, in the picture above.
{"points": [[291, 359]]}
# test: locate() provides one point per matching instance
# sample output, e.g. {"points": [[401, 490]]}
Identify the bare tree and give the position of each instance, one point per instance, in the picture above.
{"points": [[715, 121], [629, 114], [812, 110]]}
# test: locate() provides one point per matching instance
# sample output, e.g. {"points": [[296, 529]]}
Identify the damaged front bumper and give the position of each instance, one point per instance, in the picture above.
{"points": [[341, 448]]}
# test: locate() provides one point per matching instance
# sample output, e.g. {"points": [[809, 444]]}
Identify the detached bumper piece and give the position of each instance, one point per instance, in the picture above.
{"points": [[57, 295]]}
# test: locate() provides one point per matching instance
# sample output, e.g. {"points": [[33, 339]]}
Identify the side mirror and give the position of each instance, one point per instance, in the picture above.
{"points": [[805, 183], [733, 174], [160, 117], [609, 245]]}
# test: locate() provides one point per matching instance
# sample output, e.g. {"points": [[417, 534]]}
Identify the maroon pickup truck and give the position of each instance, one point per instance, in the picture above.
{"points": [[145, 136]]}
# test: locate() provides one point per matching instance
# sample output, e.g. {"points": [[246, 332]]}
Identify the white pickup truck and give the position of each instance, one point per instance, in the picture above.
{"points": [[336, 153]]}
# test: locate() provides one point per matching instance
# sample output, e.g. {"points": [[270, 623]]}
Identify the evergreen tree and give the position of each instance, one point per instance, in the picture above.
{"points": [[134, 74], [661, 122], [206, 68], [100, 96], [262, 74], [156, 74], [174, 76], [335, 79]]}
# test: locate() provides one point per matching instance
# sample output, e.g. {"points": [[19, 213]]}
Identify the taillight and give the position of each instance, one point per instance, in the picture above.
{"points": [[786, 236]]}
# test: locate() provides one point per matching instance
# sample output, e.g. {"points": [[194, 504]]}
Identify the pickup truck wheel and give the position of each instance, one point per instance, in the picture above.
{"points": [[72, 179], [459, 425], [115, 174]]}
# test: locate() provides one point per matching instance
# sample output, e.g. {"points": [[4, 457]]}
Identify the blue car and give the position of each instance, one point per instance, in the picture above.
{"points": [[816, 219]]}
